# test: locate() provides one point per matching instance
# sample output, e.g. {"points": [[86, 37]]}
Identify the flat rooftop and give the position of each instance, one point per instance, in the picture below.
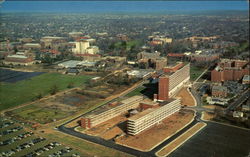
{"points": [[141, 114], [147, 111], [107, 107]]}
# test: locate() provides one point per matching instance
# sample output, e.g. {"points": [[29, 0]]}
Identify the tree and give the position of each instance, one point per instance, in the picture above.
{"points": [[54, 89], [39, 96], [70, 85]]}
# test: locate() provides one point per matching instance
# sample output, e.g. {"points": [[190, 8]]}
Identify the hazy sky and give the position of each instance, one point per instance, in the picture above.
{"points": [[120, 6]]}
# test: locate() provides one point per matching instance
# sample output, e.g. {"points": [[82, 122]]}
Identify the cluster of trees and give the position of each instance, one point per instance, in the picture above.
{"points": [[234, 51], [122, 79]]}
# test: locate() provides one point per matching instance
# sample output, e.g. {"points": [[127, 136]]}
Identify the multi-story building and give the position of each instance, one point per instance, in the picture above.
{"points": [[82, 46], [230, 70], [151, 116], [100, 116], [172, 80], [152, 59]]}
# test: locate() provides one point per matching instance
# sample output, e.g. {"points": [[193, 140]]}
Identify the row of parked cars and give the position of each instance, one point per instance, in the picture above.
{"points": [[9, 131], [6, 124], [29, 144], [16, 138], [39, 151], [21, 147]]}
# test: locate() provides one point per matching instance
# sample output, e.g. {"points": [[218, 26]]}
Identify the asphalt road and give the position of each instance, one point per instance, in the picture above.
{"points": [[245, 95]]}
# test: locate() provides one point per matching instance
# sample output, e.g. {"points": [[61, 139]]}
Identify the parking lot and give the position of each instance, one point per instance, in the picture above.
{"points": [[18, 141]]}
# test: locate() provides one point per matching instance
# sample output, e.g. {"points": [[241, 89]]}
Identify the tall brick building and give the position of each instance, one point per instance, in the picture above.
{"points": [[172, 80], [230, 70]]}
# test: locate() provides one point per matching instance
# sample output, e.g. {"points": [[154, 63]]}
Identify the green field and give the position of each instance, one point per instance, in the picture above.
{"points": [[195, 72], [13, 94], [39, 113], [137, 91]]}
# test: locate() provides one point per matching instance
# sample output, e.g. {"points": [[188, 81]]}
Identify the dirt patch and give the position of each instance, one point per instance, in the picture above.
{"points": [[104, 128], [112, 133], [186, 98], [181, 139], [150, 138], [208, 116]]}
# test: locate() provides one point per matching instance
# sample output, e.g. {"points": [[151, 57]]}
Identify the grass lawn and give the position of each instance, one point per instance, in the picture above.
{"points": [[13, 94], [195, 72], [137, 91], [40, 114]]}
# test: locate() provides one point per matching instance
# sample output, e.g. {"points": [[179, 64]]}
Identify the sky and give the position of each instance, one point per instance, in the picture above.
{"points": [[120, 6]]}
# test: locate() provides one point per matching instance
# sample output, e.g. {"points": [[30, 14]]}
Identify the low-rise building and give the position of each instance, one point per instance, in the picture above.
{"points": [[75, 63], [32, 46], [246, 79], [18, 59], [219, 91], [246, 107], [140, 73], [238, 114]]}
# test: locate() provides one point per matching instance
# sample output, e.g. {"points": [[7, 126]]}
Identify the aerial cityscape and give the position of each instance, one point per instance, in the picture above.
{"points": [[124, 78]]}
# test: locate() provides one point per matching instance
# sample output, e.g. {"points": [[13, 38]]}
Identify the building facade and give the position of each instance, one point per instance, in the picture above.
{"points": [[172, 81], [230, 70], [151, 116], [94, 119]]}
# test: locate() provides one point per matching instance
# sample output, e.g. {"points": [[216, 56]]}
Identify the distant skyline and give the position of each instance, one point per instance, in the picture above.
{"points": [[121, 6]]}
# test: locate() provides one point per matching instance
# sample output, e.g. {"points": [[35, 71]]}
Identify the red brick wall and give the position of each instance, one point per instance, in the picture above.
{"points": [[163, 88], [173, 69], [228, 75], [216, 76], [85, 123]]}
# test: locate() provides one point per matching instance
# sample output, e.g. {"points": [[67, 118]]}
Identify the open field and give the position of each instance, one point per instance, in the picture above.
{"points": [[207, 116], [195, 72], [186, 98], [181, 139], [13, 94], [66, 104], [41, 114], [216, 140], [150, 138]]}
